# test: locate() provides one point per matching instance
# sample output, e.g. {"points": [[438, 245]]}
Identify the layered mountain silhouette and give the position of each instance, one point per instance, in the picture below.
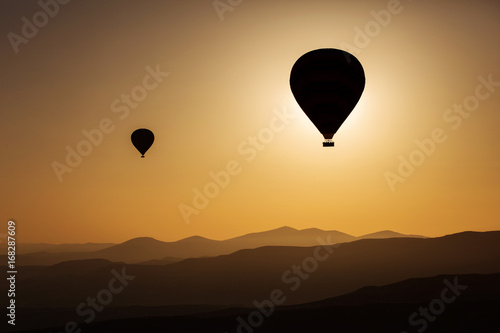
{"points": [[242, 277], [151, 251], [365, 285], [371, 309]]}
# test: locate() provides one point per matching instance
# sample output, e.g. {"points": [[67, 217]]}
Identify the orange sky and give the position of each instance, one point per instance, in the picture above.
{"points": [[217, 106]]}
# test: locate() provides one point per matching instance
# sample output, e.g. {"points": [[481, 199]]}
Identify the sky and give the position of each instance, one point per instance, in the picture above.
{"points": [[233, 152]]}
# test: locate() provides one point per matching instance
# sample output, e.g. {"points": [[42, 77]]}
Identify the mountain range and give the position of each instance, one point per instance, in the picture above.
{"points": [[305, 273], [148, 250], [347, 287]]}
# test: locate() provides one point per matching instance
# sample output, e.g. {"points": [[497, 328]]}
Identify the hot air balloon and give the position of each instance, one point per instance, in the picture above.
{"points": [[142, 139], [327, 84]]}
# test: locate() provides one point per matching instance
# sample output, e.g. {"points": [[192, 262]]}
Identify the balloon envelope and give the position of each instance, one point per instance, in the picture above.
{"points": [[327, 84], [142, 140]]}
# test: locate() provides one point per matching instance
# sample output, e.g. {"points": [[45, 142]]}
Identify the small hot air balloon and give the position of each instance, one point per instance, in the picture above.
{"points": [[142, 139], [327, 84]]}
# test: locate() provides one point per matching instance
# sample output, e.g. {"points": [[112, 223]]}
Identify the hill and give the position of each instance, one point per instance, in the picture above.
{"points": [[303, 274], [371, 309], [147, 249]]}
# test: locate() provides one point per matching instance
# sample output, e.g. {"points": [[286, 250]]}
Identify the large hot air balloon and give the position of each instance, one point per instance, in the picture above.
{"points": [[327, 84], [142, 140]]}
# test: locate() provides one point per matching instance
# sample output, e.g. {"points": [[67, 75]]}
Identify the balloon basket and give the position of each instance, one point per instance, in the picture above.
{"points": [[328, 144]]}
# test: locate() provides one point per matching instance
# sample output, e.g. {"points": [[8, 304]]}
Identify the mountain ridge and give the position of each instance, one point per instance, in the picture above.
{"points": [[149, 249], [251, 274]]}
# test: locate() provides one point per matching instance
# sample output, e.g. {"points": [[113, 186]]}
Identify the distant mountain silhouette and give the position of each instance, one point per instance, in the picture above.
{"points": [[369, 309], [248, 275], [286, 236], [147, 249], [387, 234]]}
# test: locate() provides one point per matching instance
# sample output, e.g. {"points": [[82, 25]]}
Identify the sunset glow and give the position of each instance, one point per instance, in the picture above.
{"points": [[208, 88]]}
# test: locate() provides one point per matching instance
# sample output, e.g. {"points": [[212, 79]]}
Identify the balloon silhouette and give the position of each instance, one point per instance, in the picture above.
{"points": [[327, 85], [142, 140]]}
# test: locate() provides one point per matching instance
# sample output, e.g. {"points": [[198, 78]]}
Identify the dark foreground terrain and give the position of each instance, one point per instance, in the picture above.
{"points": [[464, 303]]}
